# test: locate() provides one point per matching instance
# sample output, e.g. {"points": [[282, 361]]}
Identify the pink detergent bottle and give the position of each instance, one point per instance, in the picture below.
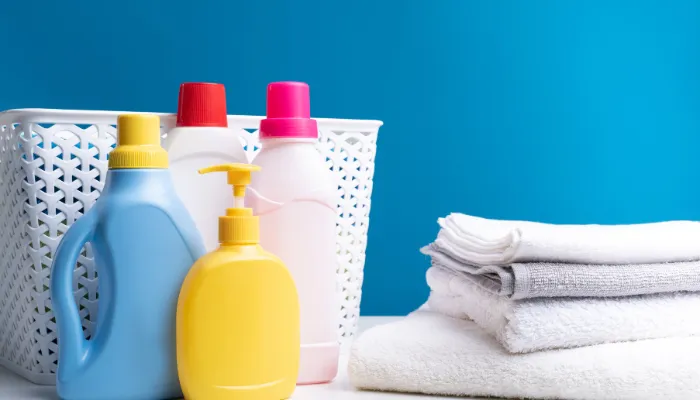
{"points": [[294, 195]]}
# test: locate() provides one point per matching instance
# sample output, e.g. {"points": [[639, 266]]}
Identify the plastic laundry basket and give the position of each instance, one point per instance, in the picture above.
{"points": [[52, 169]]}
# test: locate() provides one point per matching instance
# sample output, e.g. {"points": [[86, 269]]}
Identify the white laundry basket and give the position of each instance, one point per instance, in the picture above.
{"points": [[52, 169]]}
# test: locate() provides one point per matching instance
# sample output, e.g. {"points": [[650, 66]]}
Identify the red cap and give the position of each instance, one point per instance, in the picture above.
{"points": [[202, 104]]}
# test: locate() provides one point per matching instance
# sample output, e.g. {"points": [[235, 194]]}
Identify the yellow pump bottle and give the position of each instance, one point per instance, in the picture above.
{"points": [[238, 313]]}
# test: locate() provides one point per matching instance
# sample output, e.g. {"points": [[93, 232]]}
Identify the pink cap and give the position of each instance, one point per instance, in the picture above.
{"points": [[288, 112]]}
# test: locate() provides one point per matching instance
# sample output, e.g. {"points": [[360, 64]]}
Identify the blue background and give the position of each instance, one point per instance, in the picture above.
{"points": [[557, 111]]}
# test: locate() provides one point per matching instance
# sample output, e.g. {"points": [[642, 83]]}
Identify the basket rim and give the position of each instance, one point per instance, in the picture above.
{"points": [[58, 116]]}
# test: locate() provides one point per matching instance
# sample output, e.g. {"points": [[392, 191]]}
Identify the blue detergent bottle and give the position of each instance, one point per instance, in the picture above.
{"points": [[144, 243]]}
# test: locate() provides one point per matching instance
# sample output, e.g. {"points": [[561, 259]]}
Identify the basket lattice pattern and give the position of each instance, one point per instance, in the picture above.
{"points": [[52, 173]]}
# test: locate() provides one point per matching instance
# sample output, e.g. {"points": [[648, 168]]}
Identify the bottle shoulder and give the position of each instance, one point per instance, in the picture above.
{"points": [[139, 197], [140, 211], [238, 257], [144, 208], [292, 173], [198, 134], [218, 143], [226, 265], [295, 156]]}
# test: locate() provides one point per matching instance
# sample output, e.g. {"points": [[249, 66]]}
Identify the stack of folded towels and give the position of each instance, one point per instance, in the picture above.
{"points": [[533, 310]]}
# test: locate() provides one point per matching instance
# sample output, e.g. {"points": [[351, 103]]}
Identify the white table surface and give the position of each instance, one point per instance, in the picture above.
{"points": [[16, 388]]}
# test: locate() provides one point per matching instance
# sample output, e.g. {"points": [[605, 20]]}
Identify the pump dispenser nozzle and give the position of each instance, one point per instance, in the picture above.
{"points": [[239, 226]]}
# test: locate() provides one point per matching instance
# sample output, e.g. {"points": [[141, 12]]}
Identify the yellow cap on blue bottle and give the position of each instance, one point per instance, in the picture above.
{"points": [[138, 143]]}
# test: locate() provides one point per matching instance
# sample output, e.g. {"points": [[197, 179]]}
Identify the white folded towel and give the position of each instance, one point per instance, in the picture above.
{"points": [[560, 279], [523, 326], [433, 354], [495, 242]]}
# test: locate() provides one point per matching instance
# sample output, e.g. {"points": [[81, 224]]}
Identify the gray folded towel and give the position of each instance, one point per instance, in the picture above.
{"points": [[554, 279]]}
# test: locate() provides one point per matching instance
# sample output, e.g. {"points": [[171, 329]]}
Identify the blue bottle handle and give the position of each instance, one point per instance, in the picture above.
{"points": [[74, 347]]}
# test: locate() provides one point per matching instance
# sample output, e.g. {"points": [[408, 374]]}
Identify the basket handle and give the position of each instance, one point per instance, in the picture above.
{"points": [[73, 345]]}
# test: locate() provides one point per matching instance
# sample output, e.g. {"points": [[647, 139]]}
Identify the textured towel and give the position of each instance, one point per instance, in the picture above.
{"points": [[542, 279], [433, 354], [523, 326], [493, 242]]}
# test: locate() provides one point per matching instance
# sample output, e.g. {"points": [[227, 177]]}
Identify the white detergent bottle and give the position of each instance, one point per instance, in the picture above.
{"points": [[200, 139], [294, 195]]}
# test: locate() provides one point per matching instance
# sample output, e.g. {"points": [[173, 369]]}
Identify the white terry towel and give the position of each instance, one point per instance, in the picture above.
{"points": [[494, 242], [523, 326], [434, 354]]}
